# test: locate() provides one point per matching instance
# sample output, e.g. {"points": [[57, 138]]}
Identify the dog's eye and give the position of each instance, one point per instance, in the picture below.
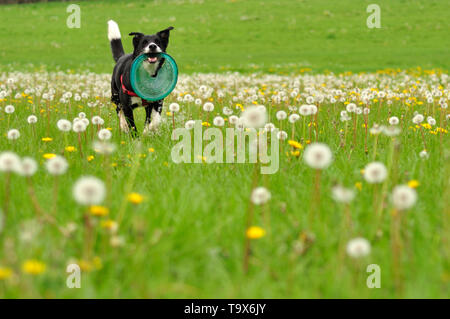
{"points": [[144, 42]]}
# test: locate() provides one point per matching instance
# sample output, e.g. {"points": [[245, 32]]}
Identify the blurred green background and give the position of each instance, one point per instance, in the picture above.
{"points": [[241, 35]]}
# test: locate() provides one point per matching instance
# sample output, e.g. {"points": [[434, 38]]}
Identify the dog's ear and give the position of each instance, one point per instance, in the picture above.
{"points": [[137, 38], [164, 35]]}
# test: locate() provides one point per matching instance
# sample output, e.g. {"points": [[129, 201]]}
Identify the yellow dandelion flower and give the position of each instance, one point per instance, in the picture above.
{"points": [[255, 232], [295, 153], [151, 150], [295, 144], [206, 124], [48, 155], [98, 210], [90, 158], [358, 185], [70, 149], [135, 198], [5, 273], [33, 267], [413, 183], [46, 139], [169, 113]]}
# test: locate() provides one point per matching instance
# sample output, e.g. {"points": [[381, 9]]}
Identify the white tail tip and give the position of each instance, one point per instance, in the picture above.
{"points": [[113, 30]]}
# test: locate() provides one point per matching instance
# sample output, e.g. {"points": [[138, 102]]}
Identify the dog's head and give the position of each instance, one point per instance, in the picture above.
{"points": [[154, 43]]}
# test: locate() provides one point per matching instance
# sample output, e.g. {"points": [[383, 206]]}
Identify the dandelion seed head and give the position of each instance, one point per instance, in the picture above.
{"points": [[342, 194], [375, 172], [281, 115], [89, 190], [358, 247], [28, 167], [318, 156], [104, 134], [56, 165], [403, 197], [9, 162], [9, 109], [260, 196], [13, 134], [64, 125], [189, 125], [174, 107], [254, 117], [32, 119], [393, 120]]}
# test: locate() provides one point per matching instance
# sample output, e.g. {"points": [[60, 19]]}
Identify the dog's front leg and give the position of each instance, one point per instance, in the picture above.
{"points": [[152, 116], [127, 115]]}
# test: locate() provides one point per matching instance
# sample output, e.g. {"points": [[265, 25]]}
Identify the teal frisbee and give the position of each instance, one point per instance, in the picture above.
{"points": [[153, 88]]}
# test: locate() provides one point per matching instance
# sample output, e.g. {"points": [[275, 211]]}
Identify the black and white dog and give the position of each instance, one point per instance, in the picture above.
{"points": [[121, 91]]}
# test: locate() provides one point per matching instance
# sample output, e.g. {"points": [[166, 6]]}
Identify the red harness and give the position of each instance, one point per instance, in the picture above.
{"points": [[131, 93]]}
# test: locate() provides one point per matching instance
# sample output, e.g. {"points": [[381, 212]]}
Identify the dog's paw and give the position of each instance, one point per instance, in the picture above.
{"points": [[154, 124], [123, 122]]}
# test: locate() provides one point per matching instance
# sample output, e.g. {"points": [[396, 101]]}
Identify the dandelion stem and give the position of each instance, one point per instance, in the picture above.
{"points": [[249, 220]]}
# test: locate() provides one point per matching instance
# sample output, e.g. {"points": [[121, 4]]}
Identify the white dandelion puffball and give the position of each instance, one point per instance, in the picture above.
{"points": [[312, 109], [294, 118], [424, 154], [9, 162], [13, 134], [418, 118], [318, 155], [281, 115], [189, 125], [28, 166], [32, 119], [233, 119], [260, 195], [282, 135], [431, 121], [82, 115], [174, 107], [104, 134], [64, 125], [342, 194], [79, 126], [208, 107], [254, 117], [404, 197], [358, 247], [227, 111], [56, 165], [85, 121], [304, 110], [269, 127], [351, 107], [218, 121], [394, 120], [97, 120], [375, 172], [9, 109], [89, 190]]}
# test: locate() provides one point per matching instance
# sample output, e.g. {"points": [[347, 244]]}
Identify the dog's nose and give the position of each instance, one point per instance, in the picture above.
{"points": [[152, 47]]}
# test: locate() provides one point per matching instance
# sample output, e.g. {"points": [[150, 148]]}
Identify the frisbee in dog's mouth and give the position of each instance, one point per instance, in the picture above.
{"points": [[152, 59]]}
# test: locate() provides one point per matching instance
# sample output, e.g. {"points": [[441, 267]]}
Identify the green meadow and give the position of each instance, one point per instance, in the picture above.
{"points": [[250, 35], [168, 230]]}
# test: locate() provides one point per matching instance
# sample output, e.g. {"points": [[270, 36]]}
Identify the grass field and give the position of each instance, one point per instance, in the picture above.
{"points": [[167, 230], [249, 35]]}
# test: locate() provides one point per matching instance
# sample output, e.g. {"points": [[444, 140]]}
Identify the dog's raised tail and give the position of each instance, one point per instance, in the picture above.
{"points": [[115, 40]]}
